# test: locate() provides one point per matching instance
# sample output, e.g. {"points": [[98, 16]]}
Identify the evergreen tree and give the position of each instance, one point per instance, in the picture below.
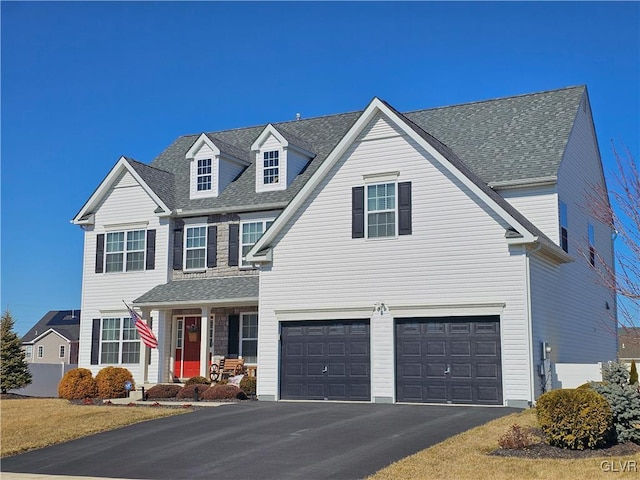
{"points": [[624, 400], [633, 376], [14, 371]]}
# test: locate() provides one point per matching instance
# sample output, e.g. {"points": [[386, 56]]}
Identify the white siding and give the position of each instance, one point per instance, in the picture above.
{"points": [[227, 172], [104, 292], [569, 302], [270, 144], [295, 163], [456, 256], [539, 205]]}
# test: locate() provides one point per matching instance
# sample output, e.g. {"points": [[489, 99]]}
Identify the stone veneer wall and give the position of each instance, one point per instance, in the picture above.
{"points": [[221, 326]]}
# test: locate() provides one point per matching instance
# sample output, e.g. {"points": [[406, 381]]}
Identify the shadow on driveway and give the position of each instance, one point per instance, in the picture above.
{"points": [[265, 440]]}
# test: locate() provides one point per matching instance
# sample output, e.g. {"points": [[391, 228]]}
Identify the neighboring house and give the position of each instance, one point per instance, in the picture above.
{"points": [[629, 345], [54, 339], [373, 255]]}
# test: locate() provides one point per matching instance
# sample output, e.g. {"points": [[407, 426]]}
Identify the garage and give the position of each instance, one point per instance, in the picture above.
{"points": [[325, 360], [449, 360]]}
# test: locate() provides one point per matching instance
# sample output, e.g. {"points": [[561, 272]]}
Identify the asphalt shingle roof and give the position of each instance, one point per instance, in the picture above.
{"points": [[212, 289], [629, 342], [502, 140], [65, 322]]}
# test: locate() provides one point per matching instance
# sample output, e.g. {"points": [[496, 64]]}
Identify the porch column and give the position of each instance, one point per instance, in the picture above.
{"points": [[204, 342], [144, 351]]}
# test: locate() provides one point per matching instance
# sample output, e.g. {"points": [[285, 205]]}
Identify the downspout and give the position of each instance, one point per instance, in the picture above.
{"points": [[530, 322]]}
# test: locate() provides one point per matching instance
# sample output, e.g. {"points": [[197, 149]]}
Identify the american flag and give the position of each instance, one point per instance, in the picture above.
{"points": [[146, 334]]}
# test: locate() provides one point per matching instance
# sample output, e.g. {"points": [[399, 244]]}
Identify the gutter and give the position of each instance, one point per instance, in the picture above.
{"points": [[180, 212]]}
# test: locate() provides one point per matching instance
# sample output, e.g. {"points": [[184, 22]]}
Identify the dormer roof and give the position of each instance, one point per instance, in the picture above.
{"points": [[285, 138], [219, 147]]}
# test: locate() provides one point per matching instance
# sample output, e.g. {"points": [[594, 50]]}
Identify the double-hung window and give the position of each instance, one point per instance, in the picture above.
{"points": [[203, 178], [28, 352], [119, 341], [125, 250], [195, 248], [40, 351], [249, 337], [61, 352], [564, 232], [271, 167], [381, 210], [250, 234]]}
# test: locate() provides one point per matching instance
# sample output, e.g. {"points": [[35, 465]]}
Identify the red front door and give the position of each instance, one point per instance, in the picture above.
{"points": [[187, 360]]}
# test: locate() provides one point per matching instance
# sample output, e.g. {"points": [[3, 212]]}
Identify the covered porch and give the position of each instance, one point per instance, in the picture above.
{"points": [[196, 319]]}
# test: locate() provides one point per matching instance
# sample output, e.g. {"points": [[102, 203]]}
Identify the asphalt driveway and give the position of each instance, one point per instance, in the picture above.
{"points": [[264, 440]]}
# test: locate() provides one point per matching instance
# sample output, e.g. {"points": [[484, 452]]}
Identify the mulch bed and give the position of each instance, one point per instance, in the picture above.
{"points": [[540, 449]]}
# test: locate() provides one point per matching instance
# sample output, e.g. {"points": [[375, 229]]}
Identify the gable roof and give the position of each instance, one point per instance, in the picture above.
{"points": [[158, 184], [65, 323], [505, 141], [528, 233]]}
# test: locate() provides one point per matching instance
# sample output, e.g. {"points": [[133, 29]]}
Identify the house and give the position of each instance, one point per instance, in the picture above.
{"points": [[441, 255], [54, 338], [629, 345]]}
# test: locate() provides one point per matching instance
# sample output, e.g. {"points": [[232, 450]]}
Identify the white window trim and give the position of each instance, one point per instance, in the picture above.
{"points": [[40, 353], [264, 222], [281, 184], [120, 342], [241, 338], [185, 248], [62, 352], [28, 352], [203, 175], [563, 223], [125, 251], [366, 208]]}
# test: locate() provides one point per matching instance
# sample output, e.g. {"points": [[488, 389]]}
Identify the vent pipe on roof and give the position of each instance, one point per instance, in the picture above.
{"points": [[297, 116]]}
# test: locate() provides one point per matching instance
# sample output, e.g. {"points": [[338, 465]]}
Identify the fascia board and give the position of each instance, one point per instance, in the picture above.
{"points": [[106, 184], [372, 109], [197, 145], [268, 130], [315, 179], [241, 301], [47, 332]]}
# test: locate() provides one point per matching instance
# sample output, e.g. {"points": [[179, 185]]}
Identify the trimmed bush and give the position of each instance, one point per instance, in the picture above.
{"points": [[163, 391], [575, 418], [633, 373], [198, 380], [224, 392], [110, 382], [77, 384], [188, 391], [624, 400], [248, 385]]}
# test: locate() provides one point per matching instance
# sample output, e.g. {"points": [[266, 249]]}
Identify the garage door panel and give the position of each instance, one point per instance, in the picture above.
{"points": [[449, 360], [336, 364]]}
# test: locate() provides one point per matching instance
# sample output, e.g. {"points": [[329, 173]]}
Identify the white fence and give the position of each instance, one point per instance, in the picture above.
{"points": [[572, 375]]}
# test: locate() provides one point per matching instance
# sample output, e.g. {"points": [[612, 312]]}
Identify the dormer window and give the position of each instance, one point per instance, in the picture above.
{"points": [[204, 174], [271, 167], [280, 157]]}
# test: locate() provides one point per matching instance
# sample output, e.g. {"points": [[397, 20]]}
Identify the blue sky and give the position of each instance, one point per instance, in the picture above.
{"points": [[86, 82]]}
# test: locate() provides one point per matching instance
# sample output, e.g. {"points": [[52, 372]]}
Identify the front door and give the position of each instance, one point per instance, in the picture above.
{"points": [[187, 359]]}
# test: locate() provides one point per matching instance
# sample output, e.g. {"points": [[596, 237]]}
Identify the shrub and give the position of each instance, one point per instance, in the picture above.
{"points": [[77, 384], [248, 385], [575, 418], [198, 380], [111, 380], [188, 391], [224, 392], [163, 391], [624, 400], [633, 374], [516, 438]]}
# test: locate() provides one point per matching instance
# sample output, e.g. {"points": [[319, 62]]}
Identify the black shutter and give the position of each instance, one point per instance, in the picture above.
{"points": [[233, 348], [234, 244], [212, 246], [177, 246], [404, 208], [357, 212], [100, 253], [95, 341], [151, 250]]}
